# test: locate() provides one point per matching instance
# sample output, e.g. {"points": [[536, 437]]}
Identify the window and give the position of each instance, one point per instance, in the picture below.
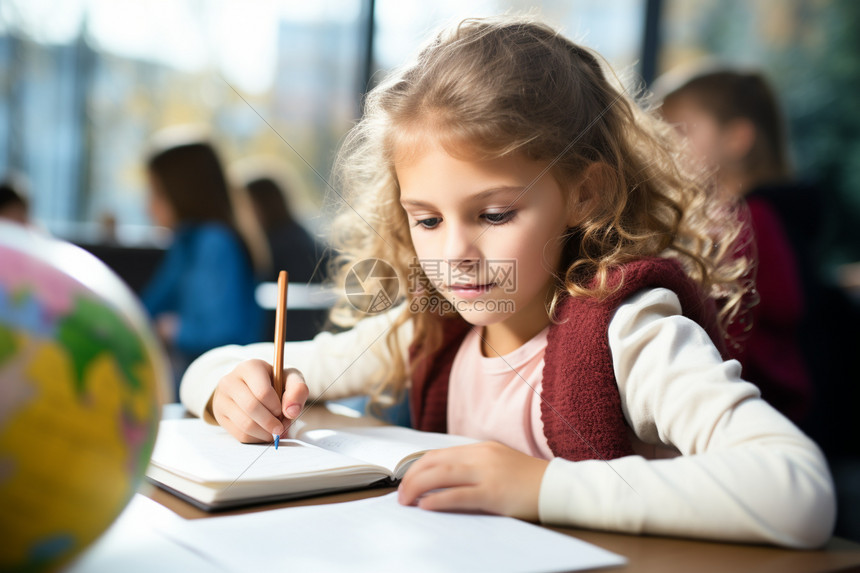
{"points": [[614, 29], [85, 88]]}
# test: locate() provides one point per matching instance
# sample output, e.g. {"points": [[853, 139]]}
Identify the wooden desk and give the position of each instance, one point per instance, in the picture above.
{"points": [[645, 554]]}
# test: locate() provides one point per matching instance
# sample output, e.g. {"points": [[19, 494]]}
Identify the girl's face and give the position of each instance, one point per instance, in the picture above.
{"points": [[487, 234], [721, 147], [160, 210], [704, 135]]}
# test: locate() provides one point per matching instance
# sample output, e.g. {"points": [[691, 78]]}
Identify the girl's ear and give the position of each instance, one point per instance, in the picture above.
{"points": [[738, 138], [584, 197]]}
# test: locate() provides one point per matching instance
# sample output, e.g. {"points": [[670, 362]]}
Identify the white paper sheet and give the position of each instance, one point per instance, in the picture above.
{"points": [[135, 544], [378, 535]]}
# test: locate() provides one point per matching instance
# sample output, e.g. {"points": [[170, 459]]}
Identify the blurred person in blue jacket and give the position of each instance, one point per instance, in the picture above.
{"points": [[202, 294]]}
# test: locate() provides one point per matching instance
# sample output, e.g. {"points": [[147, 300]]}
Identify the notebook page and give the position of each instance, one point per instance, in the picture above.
{"points": [[209, 454], [384, 446], [379, 534]]}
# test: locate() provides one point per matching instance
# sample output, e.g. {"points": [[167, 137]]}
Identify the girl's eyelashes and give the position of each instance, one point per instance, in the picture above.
{"points": [[429, 223], [494, 219], [499, 218]]}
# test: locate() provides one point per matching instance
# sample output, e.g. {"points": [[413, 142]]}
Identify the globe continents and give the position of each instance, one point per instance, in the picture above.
{"points": [[80, 373]]}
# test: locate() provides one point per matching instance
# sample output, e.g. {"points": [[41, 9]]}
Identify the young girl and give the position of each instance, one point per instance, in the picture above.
{"points": [[595, 376]]}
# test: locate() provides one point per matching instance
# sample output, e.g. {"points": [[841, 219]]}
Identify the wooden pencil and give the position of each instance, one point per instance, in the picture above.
{"points": [[280, 332]]}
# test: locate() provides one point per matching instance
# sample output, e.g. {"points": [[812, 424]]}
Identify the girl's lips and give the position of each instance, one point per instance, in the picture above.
{"points": [[470, 291]]}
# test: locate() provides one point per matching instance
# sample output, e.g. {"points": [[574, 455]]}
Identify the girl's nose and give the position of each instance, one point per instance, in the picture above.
{"points": [[461, 247]]}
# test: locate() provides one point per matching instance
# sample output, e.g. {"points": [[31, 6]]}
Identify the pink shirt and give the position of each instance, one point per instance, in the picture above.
{"points": [[498, 398]]}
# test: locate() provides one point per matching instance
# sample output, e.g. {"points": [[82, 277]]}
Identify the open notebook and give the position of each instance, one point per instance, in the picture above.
{"points": [[205, 465]]}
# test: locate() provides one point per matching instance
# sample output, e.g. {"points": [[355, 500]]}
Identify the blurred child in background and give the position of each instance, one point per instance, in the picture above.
{"points": [[733, 127], [202, 294]]}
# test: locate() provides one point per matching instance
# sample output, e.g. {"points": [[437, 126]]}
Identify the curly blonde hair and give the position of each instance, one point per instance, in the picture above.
{"points": [[509, 85]]}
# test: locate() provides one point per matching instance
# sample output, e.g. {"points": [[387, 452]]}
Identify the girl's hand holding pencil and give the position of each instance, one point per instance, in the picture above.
{"points": [[246, 405], [257, 402]]}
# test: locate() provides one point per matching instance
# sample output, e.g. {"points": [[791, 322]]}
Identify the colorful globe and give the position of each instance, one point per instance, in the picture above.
{"points": [[80, 380]]}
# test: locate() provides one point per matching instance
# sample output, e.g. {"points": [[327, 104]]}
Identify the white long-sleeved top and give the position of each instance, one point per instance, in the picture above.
{"points": [[744, 473]]}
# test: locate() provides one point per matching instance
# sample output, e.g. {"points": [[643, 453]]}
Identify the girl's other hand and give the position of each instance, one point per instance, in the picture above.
{"points": [[245, 403], [486, 477]]}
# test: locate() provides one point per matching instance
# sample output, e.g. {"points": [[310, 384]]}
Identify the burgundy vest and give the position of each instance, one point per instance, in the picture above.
{"points": [[580, 403]]}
